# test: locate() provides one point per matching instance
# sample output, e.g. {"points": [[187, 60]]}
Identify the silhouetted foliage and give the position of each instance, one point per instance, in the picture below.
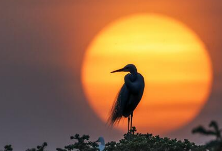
{"points": [[137, 142], [130, 142], [148, 142], [39, 148], [214, 145], [82, 143], [142, 142], [8, 148]]}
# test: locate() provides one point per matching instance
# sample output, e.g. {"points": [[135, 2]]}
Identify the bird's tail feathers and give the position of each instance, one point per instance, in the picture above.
{"points": [[115, 113]]}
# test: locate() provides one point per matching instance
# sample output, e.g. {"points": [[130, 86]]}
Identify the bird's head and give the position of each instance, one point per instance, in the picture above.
{"points": [[128, 68]]}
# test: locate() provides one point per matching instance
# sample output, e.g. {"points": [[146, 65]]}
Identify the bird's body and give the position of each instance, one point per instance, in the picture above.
{"points": [[129, 96], [131, 93], [101, 147], [101, 142]]}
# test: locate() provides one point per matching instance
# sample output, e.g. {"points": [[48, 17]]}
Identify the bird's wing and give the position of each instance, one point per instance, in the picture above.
{"points": [[119, 106], [135, 93], [123, 97]]}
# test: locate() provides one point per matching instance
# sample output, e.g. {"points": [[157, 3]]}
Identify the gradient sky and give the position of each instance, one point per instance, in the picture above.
{"points": [[42, 44]]}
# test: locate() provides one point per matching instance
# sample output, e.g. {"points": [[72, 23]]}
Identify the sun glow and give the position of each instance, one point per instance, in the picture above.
{"points": [[172, 59]]}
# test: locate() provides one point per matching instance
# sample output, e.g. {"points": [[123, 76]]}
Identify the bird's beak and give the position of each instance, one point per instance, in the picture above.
{"points": [[119, 70], [97, 140]]}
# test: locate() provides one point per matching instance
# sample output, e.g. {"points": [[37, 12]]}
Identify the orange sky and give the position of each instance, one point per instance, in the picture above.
{"points": [[173, 60]]}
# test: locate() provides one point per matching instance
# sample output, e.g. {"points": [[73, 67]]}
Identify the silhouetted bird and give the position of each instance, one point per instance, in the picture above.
{"points": [[102, 143], [129, 96]]}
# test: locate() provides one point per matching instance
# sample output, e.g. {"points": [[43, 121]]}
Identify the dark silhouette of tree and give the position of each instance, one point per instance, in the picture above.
{"points": [[214, 145], [216, 129], [133, 141], [8, 148], [39, 148], [148, 142], [82, 143], [214, 132]]}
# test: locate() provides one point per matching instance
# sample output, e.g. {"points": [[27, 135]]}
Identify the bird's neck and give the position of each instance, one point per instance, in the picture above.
{"points": [[133, 76], [134, 72]]}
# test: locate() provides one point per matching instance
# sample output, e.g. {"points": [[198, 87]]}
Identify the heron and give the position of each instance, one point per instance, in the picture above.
{"points": [[129, 96], [102, 143]]}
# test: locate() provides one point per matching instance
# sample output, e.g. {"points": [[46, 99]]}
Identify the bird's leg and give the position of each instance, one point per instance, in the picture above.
{"points": [[128, 124], [131, 125]]}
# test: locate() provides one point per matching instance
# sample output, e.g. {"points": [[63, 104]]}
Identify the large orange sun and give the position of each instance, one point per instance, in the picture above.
{"points": [[171, 57]]}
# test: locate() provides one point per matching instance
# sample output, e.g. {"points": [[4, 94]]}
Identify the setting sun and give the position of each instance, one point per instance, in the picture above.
{"points": [[171, 57]]}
